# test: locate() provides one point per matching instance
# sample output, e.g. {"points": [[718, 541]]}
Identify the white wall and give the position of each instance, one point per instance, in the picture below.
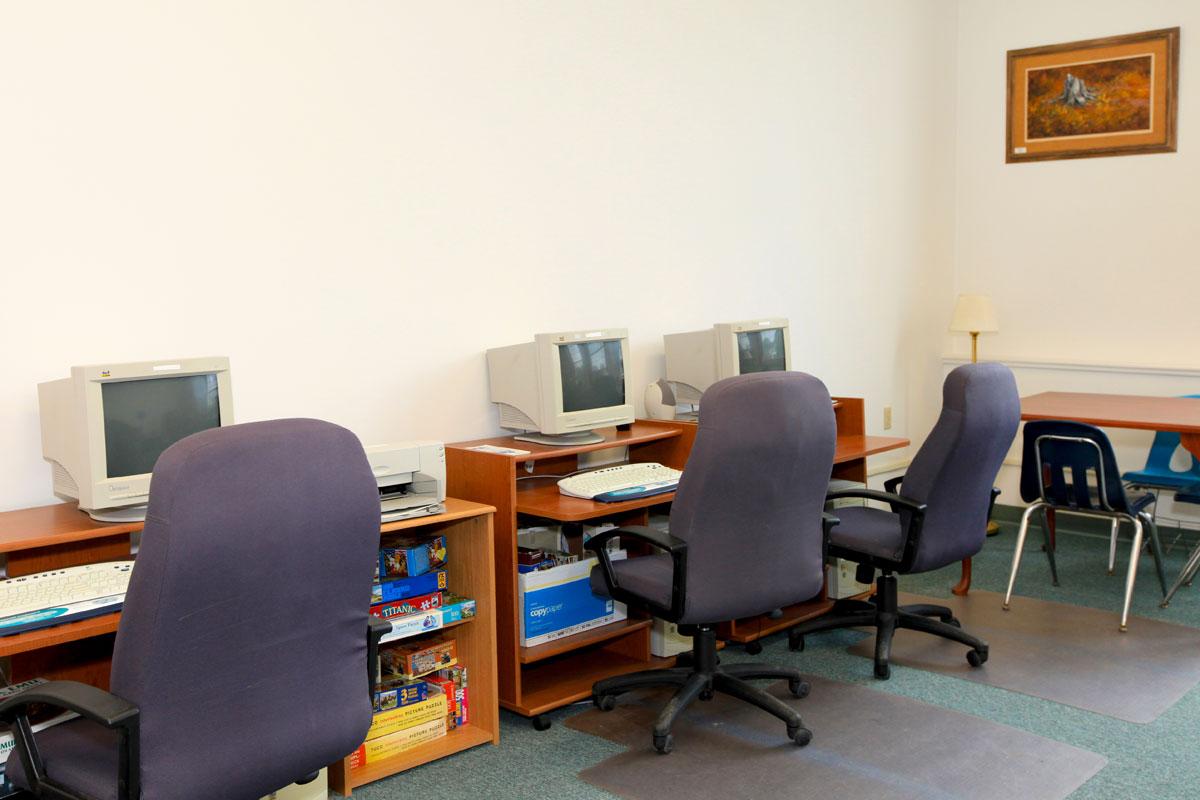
{"points": [[1087, 259], [354, 200], [1090, 262]]}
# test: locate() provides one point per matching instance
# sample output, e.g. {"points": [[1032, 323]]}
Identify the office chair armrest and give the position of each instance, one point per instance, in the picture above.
{"points": [[896, 502], [891, 484], [376, 628], [677, 548], [87, 701], [95, 705]]}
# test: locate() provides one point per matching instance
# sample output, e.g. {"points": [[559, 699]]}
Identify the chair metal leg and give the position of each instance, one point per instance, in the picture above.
{"points": [[1134, 553], [619, 684], [917, 623], [736, 687], [829, 622], [885, 631], [1049, 545], [927, 610], [687, 695], [1112, 546], [1021, 531], [754, 671], [1185, 575], [1156, 550]]}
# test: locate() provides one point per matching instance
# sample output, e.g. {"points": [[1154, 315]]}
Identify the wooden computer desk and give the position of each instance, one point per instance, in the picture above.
{"points": [[1176, 414], [55, 536], [535, 680]]}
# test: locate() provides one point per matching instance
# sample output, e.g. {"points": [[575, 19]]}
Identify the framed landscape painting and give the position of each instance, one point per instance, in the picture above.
{"points": [[1101, 97]]}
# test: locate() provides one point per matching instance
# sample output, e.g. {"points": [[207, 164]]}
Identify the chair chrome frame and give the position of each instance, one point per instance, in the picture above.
{"points": [[1141, 522]]}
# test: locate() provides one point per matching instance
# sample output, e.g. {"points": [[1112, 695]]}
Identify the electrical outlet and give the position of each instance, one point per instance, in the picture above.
{"points": [[887, 418]]}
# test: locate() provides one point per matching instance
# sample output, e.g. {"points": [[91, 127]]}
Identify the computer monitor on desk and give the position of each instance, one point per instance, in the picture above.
{"points": [[698, 359], [561, 386], [105, 426]]}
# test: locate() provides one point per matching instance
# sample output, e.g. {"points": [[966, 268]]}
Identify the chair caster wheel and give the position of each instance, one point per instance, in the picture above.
{"points": [[753, 648], [884, 671], [664, 744], [977, 658], [801, 736], [799, 688], [796, 643], [540, 723], [706, 694], [604, 702]]}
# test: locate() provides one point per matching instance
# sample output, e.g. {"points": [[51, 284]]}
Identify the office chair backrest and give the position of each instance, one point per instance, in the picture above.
{"points": [[244, 632], [1070, 465], [750, 500], [955, 468]]}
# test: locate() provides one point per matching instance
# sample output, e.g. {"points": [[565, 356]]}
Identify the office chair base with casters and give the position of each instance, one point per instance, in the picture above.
{"points": [[700, 681], [886, 616]]}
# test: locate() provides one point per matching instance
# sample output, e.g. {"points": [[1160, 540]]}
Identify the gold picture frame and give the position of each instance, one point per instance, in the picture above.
{"points": [[1100, 97]]}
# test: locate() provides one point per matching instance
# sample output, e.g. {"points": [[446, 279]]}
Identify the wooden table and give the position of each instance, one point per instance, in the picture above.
{"points": [[1176, 414], [1138, 412]]}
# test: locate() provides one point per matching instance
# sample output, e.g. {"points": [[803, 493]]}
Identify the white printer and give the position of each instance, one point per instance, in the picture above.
{"points": [[411, 477]]}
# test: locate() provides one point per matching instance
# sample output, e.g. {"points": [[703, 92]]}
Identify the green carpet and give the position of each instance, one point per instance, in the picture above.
{"points": [[1154, 761]]}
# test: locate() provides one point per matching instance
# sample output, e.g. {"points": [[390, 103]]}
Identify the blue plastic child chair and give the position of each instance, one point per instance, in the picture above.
{"points": [[1157, 472]]}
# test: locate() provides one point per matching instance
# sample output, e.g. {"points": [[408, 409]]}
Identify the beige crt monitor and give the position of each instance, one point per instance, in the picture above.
{"points": [[105, 426], [698, 359], [560, 386]]}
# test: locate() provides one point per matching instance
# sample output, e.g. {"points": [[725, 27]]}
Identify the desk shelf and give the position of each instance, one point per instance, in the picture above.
{"points": [[547, 502], [556, 647], [58, 634]]}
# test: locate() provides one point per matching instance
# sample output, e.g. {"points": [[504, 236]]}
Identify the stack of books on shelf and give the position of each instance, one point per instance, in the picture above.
{"points": [[410, 588], [422, 689]]}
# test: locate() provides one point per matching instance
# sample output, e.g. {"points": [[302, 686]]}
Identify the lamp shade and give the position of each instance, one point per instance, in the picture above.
{"points": [[973, 313]]}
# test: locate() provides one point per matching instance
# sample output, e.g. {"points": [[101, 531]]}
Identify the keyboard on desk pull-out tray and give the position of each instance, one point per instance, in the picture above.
{"points": [[62, 595], [622, 482]]}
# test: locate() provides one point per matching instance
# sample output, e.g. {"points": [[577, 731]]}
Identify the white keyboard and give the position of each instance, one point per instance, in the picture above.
{"points": [[62, 595], [622, 482]]}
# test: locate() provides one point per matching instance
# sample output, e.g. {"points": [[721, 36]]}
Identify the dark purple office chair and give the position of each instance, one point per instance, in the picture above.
{"points": [[939, 517], [746, 538], [241, 657]]}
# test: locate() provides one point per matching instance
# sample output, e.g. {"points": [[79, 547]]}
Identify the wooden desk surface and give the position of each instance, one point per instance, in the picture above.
{"points": [[1180, 414], [850, 448], [60, 523]]}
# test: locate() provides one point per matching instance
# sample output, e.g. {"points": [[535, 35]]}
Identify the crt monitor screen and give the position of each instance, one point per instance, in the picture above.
{"points": [[144, 417], [761, 351], [593, 375]]}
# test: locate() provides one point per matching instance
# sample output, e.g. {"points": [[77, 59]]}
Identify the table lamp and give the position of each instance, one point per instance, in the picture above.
{"points": [[973, 314]]}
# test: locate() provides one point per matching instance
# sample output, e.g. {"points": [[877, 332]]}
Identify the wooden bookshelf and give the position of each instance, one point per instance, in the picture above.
{"points": [[470, 573]]}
